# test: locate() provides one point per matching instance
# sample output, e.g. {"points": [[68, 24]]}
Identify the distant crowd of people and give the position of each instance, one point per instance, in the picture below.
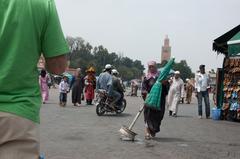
{"points": [[83, 88]]}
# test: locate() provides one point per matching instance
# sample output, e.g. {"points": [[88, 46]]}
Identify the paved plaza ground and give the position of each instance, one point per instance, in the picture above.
{"points": [[78, 133]]}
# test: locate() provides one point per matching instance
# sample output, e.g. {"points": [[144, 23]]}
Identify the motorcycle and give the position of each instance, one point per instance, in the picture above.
{"points": [[103, 101]]}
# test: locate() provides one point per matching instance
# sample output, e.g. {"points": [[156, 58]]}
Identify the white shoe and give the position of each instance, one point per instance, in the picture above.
{"points": [[199, 117]]}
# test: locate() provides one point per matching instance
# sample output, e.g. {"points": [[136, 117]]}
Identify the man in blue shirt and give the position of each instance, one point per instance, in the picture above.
{"points": [[105, 82]]}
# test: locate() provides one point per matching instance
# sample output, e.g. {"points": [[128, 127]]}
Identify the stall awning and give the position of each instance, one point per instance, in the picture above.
{"points": [[220, 44], [234, 45]]}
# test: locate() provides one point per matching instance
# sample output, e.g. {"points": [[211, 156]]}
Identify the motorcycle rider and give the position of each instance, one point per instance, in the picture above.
{"points": [[104, 82], [117, 86]]}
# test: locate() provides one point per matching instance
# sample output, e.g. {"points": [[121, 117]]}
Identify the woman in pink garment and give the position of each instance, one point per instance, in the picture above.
{"points": [[43, 81]]}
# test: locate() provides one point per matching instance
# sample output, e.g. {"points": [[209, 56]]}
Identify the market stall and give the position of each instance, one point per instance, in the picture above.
{"points": [[228, 77]]}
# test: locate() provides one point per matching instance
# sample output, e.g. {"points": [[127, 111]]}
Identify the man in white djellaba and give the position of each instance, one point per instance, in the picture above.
{"points": [[174, 95]]}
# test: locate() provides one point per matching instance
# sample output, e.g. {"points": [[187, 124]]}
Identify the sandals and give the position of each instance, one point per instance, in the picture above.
{"points": [[147, 136]]}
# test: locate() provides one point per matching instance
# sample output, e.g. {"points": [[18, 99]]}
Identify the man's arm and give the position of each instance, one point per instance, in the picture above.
{"points": [[57, 64], [196, 82]]}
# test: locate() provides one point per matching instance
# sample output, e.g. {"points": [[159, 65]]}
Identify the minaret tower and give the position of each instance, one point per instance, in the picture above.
{"points": [[166, 50]]}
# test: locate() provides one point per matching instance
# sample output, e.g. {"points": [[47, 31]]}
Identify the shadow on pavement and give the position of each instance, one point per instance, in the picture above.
{"points": [[166, 139], [117, 115], [184, 116], [74, 138]]}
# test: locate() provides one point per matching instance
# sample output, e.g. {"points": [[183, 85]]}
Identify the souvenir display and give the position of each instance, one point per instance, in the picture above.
{"points": [[231, 89]]}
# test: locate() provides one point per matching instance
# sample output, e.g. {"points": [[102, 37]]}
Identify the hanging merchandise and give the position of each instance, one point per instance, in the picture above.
{"points": [[228, 77], [231, 89]]}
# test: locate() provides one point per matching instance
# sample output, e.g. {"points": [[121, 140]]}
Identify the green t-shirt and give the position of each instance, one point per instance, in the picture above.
{"points": [[27, 29]]}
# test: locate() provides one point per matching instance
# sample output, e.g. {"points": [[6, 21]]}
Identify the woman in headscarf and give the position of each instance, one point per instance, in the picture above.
{"points": [[153, 117], [43, 81], [77, 86], [90, 85]]}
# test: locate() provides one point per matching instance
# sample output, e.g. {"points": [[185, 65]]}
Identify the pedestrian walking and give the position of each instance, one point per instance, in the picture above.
{"points": [[43, 82], [174, 95], [77, 86], [27, 29], [134, 88], [189, 91], [63, 89], [202, 85], [90, 85], [183, 93], [153, 117]]}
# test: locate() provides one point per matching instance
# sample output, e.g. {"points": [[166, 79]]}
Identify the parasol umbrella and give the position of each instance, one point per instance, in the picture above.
{"points": [[69, 76]]}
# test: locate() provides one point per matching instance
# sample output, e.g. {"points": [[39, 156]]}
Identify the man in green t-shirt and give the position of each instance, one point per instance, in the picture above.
{"points": [[28, 28]]}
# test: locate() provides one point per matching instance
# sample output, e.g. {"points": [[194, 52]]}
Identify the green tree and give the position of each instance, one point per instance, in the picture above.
{"points": [[182, 66], [84, 55], [184, 69]]}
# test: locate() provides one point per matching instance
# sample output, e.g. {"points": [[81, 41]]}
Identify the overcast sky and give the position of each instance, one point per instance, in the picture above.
{"points": [[137, 28]]}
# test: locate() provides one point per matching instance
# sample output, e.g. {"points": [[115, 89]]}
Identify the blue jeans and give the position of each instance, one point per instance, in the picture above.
{"points": [[205, 96], [63, 97]]}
